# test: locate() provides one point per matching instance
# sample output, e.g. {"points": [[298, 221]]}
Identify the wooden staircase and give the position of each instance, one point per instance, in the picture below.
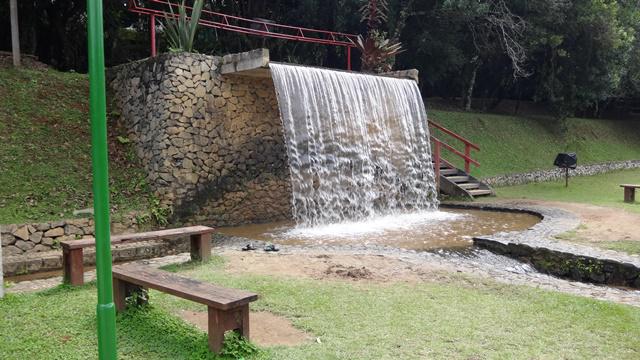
{"points": [[457, 183], [453, 181]]}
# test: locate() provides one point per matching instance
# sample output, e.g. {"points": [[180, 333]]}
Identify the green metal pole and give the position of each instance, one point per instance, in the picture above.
{"points": [[100, 160]]}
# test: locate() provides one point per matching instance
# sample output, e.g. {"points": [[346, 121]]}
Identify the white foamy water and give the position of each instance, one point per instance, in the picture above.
{"points": [[358, 146], [376, 226]]}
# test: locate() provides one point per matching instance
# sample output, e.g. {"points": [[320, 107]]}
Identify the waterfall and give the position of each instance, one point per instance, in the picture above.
{"points": [[358, 145]]}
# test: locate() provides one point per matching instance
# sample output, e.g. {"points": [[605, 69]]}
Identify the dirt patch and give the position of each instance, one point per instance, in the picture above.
{"points": [[321, 266], [266, 328], [349, 272], [599, 223]]}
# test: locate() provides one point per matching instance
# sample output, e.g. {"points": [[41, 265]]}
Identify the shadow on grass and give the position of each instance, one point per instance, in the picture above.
{"points": [[156, 334]]}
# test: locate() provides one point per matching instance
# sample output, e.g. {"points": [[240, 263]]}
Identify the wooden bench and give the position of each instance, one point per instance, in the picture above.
{"points": [[72, 250], [629, 192], [228, 309]]}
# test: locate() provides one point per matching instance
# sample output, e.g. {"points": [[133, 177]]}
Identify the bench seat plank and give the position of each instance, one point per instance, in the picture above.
{"points": [[630, 186], [143, 236], [211, 295]]}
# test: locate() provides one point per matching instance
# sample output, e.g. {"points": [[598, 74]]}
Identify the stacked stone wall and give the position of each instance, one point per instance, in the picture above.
{"points": [[34, 247], [23, 239], [212, 144], [559, 174]]}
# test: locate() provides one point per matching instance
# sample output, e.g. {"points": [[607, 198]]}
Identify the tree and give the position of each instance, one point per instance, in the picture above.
{"points": [[581, 52], [493, 31], [15, 34]]}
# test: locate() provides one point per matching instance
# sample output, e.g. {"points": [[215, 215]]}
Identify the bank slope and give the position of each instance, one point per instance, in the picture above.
{"points": [[512, 144], [45, 149]]}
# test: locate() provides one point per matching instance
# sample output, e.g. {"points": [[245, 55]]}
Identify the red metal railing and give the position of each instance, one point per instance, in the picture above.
{"points": [[439, 145], [241, 25]]}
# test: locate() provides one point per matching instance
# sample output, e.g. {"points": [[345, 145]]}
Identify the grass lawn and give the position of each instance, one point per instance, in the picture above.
{"points": [[512, 144], [602, 190], [463, 319], [46, 152]]}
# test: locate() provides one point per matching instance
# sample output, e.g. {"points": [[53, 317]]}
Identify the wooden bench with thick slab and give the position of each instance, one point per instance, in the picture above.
{"points": [[629, 192], [228, 309], [72, 250]]}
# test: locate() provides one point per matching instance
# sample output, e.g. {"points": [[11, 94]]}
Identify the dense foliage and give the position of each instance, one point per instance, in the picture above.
{"points": [[574, 56]]}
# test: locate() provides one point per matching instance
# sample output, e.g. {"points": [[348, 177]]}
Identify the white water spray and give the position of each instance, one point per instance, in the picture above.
{"points": [[358, 145]]}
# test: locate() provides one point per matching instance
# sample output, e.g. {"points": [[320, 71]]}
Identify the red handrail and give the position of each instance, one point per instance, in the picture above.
{"points": [[453, 150], [456, 136], [439, 144], [218, 20]]}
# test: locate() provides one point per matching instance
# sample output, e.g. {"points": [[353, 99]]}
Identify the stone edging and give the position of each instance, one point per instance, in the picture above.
{"points": [[29, 238], [558, 174], [538, 247]]}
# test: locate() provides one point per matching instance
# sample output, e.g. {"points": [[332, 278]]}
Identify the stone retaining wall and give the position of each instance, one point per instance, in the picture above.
{"points": [[31, 263], [539, 247], [212, 144], [23, 239], [558, 174], [34, 247], [565, 264]]}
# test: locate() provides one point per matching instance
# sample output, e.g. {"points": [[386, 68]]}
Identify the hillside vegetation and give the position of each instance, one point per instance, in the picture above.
{"points": [[510, 144], [45, 147]]}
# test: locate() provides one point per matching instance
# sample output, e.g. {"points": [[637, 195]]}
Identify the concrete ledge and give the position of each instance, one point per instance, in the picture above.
{"points": [[539, 247], [250, 63], [411, 74]]}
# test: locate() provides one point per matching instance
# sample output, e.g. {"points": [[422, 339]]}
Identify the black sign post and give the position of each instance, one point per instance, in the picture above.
{"points": [[566, 161]]}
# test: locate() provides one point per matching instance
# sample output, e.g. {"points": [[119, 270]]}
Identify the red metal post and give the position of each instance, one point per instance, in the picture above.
{"points": [[348, 57], [153, 35], [436, 164], [467, 154]]}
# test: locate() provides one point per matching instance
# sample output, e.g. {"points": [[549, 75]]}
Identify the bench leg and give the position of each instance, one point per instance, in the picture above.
{"points": [[200, 247], [629, 195], [73, 268], [120, 294], [122, 290], [220, 321]]}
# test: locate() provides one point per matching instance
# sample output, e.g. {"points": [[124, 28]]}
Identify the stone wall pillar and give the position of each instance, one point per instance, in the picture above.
{"points": [[212, 144]]}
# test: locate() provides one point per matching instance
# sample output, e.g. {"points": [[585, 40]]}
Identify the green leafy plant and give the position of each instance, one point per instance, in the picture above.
{"points": [[159, 214], [378, 52], [138, 299], [237, 347], [180, 28], [123, 140]]}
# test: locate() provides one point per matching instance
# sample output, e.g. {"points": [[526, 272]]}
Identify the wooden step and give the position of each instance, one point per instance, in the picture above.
{"points": [[448, 171], [444, 166], [469, 186], [458, 179], [479, 192]]}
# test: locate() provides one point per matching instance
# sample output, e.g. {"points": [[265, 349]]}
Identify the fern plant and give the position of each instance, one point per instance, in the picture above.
{"points": [[180, 28]]}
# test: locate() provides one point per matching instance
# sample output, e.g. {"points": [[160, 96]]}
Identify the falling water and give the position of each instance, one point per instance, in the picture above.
{"points": [[358, 145]]}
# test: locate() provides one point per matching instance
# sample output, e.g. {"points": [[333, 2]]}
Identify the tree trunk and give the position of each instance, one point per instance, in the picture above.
{"points": [[468, 94], [15, 35]]}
